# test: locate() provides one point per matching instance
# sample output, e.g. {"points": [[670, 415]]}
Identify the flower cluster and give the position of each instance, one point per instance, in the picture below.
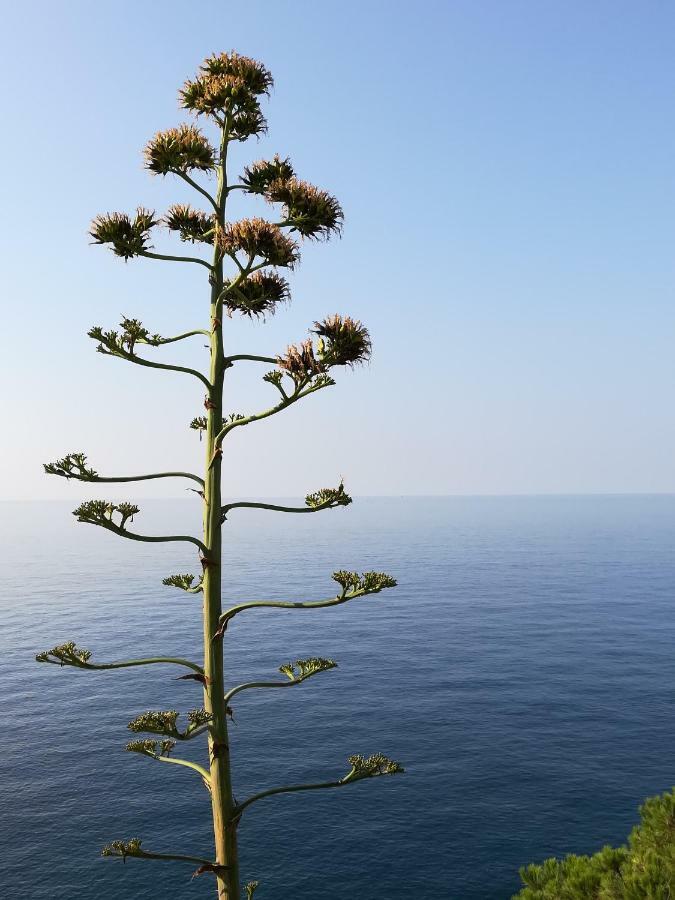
{"points": [[258, 238], [192, 225], [128, 237], [149, 748], [226, 88], [371, 767], [101, 512], [123, 848], [155, 722], [181, 149], [250, 889], [311, 212], [67, 654], [328, 497], [183, 582], [114, 343], [343, 341], [73, 465], [353, 584], [261, 174], [257, 295], [198, 717], [307, 667]]}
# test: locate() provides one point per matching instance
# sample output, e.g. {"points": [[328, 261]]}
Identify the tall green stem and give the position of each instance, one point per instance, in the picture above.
{"points": [[222, 800]]}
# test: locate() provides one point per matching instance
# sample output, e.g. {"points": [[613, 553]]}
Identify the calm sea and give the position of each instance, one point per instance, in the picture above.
{"points": [[523, 673]]}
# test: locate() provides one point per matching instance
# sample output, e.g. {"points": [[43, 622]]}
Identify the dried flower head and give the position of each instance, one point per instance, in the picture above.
{"points": [[191, 224], [257, 295], [181, 149], [343, 341], [73, 465], [300, 362], [259, 238], [329, 497], [67, 654], [227, 88], [353, 584], [128, 237], [310, 211], [261, 174], [371, 767]]}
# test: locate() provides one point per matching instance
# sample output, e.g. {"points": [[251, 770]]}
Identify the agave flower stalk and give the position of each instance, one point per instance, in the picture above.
{"points": [[243, 262]]}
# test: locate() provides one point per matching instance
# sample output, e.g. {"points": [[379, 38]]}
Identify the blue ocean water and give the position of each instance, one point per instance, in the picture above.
{"points": [[522, 672]]}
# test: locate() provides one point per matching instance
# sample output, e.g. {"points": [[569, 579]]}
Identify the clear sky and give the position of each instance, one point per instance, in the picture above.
{"points": [[507, 169]]}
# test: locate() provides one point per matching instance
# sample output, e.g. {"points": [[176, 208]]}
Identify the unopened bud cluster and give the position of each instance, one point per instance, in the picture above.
{"points": [[73, 465], [304, 668], [367, 583], [328, 497], [103, 512]]}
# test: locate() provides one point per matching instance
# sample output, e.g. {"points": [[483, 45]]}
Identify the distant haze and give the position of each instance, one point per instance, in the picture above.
{"points": [[507, 172]]}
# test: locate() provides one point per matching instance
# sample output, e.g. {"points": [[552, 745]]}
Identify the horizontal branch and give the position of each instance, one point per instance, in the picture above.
{"points": [[270, 360], [362, 768], [132, 849], [306, 669], [70, 655], [273, 507], [140, 361], [145, 538], [179, 337], [290, 789], [353, 586], [164, 256]]}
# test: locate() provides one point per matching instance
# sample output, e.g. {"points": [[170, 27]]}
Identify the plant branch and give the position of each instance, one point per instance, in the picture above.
{"points": [[139, 361], [292, 788], [197, 187], [151, 539], [242, 504], [69, 655], [229, 360], [192, 259]]}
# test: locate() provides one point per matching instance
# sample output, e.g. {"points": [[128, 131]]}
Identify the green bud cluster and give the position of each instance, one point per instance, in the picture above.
{"points": [[199, 424], [149, 748], [114, 343], [333, 496], [73, 465], [101, 512], [156, 722], [128, 237], [250, 889], [198, 717], [183, 582], [371, 767], [367, 583], [307, 667], [123, 848], [67, 654]]}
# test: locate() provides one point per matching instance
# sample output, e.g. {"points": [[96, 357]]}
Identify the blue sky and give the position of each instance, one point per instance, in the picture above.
{"points": [[507, 173]]}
